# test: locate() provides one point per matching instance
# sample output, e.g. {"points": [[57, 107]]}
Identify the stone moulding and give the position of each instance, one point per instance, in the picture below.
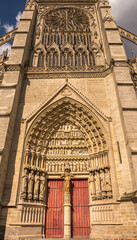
{"points": [[42, 75], [15, 67], [100, 71], [130, 196]]}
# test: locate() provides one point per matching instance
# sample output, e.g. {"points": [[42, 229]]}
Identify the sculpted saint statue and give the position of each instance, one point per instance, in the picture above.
{"points": [[103, 185], [36, 186], [30, 184], [24, 184], [92, 188], [67, 183], [42, 187], [108, 183], [98, 187], [67, 177]]}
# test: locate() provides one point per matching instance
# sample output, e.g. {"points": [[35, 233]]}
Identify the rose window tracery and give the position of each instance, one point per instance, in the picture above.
{"points": [[67, 19], [66, 38]]}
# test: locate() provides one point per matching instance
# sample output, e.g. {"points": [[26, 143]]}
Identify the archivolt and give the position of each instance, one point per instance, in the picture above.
{"points": [[66, 112]]}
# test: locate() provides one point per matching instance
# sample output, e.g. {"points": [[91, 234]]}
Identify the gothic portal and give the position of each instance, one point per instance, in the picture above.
{"points": [[68, 116]]}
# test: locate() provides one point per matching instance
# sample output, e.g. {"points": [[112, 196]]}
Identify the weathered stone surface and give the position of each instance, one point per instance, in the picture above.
{"points": [[68, 102]]}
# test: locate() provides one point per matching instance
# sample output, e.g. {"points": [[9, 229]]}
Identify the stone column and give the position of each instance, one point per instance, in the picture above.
{"points": [[67, 203], [67, 215]]}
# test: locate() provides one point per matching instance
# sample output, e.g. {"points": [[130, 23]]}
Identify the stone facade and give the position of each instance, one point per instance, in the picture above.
{"points": [[68, 110]]}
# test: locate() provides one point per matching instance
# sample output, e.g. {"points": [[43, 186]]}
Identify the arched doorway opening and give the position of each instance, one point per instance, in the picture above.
{"points": [[66, 142]]}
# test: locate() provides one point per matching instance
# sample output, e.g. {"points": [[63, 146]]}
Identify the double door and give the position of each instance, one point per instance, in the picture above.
{"points": [[80, 224]]}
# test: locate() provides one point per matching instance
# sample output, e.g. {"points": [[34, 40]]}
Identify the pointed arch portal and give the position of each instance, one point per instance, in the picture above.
{"points": [[66, 138], [66, 132]]}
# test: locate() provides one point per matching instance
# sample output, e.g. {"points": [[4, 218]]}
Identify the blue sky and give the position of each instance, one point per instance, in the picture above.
{"points": [[8, 11], [125, 13]]}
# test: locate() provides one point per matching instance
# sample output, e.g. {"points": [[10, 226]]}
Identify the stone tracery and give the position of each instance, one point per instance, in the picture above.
{"points": [[66, 134], [66, 35]]}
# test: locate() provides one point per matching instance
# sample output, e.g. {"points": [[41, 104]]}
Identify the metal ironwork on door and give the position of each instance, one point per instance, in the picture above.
{"points": [[80, 209], [55, 213]]}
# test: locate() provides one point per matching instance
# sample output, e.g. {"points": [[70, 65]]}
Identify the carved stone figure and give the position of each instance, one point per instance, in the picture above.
{"points": [[108, 183], [42, 187], [50, 167], [24, 184], [98, 187], [36, 186], [4, 56], [92, 187], [30, 185], [74, 167], [102, 183], [67, 177], [67, 183], [38, 32], [60, 167]]}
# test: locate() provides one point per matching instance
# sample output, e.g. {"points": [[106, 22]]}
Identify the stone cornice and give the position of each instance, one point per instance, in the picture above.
{"points": [[99, 72], [34, 73]]}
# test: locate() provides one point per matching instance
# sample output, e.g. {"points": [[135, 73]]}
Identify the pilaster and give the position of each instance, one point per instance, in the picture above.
{"points": [[11, 87]]}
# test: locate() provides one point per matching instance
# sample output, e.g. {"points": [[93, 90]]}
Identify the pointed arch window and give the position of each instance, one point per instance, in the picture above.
{"points": [[67, 26], [41, 61]]}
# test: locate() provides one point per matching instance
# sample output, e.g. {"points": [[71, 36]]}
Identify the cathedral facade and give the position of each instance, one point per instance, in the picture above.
{"points": [[68, 117]]}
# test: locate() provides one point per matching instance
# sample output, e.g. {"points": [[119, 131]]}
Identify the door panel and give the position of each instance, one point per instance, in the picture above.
{"points": [[80, 209], [55, 212]]}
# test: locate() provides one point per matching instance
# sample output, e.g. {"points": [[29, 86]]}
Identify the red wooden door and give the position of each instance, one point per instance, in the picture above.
{"points": [[80, 209], [55, 212]]}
